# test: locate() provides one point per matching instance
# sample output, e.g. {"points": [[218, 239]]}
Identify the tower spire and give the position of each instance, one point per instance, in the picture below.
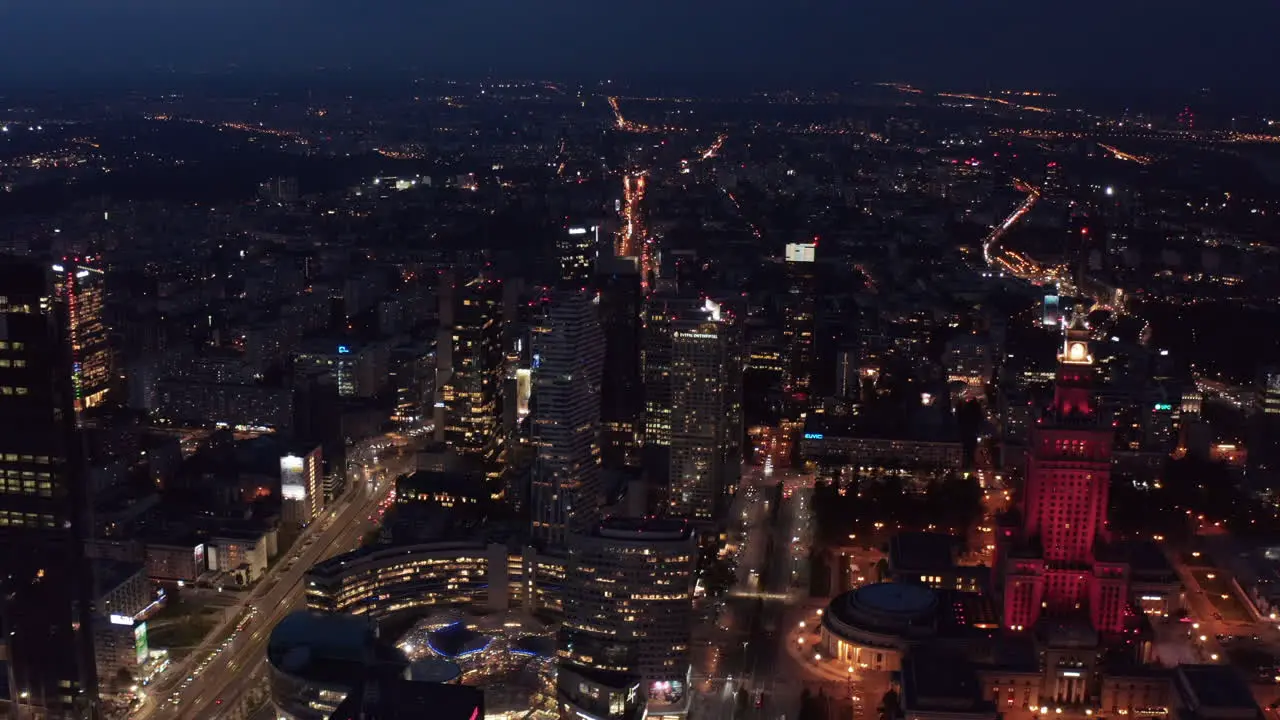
{"points": [[1073, 396]]}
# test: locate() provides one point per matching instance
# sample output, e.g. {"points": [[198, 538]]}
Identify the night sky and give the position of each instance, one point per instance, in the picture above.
{"points": [[1118, 43]]}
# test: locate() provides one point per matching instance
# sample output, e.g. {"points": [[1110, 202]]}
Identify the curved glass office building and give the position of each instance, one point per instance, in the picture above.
{"points": [[378, 582]]}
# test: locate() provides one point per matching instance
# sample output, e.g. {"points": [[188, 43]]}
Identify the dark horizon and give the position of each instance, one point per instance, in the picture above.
{"points": [[974, 44], [369, 83]]}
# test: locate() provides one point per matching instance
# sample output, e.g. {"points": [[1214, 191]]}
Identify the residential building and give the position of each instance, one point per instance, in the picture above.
{"points": [[470, 396]]}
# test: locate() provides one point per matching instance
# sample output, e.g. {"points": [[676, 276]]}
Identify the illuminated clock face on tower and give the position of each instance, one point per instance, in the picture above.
{"points": [[1077, 352]]}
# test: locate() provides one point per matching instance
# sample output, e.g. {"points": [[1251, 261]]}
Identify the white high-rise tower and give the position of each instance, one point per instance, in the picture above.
{"points": [[705, 398]]}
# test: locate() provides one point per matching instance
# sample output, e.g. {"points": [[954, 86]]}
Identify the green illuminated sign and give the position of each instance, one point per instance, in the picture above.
{"points": [[140, 645]]}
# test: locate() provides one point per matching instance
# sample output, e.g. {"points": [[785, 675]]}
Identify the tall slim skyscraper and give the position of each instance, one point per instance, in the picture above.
{"points": [[848, 373], [704, 410], [662, 316], [622, 398], [628, 617], [1051, 567], [44, 579], [472, 419], [78, 283], [655, 363], [568, 352], [798, 321]]}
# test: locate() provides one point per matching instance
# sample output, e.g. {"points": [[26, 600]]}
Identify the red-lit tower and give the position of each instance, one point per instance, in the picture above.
{"points": [[1050, 566]]}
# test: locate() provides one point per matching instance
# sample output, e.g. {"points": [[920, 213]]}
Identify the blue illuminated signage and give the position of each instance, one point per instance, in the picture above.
{"points": [[813, 436], [344, 350], [1052, 310]]}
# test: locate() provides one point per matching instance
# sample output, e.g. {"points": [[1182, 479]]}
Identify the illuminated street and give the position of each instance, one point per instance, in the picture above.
{"points": [[633, 233], [744, 649], [1121, 155], [991, 245], [711, 151], [230, 671]]}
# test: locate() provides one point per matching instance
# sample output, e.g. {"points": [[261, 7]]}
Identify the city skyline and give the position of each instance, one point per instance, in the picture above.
{"points": [[766, 361]]}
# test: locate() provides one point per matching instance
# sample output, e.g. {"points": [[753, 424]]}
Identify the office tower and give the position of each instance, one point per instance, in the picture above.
{"points": [[1051, 567], [357, 370], [622, 398], [412, 370], [693, 402], [655, 364], [122, 592], [79, 285], [661, 317], [798, 321], [967, 359], [45, 584], [568, 359], [627, 617], [576, 249], [706, 411], [470, 396]]}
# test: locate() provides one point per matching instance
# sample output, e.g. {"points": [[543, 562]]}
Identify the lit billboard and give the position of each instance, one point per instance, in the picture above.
{"points": [[293, 484], [524, 390], [141, 647], [801, 252], [1052, 310]]}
